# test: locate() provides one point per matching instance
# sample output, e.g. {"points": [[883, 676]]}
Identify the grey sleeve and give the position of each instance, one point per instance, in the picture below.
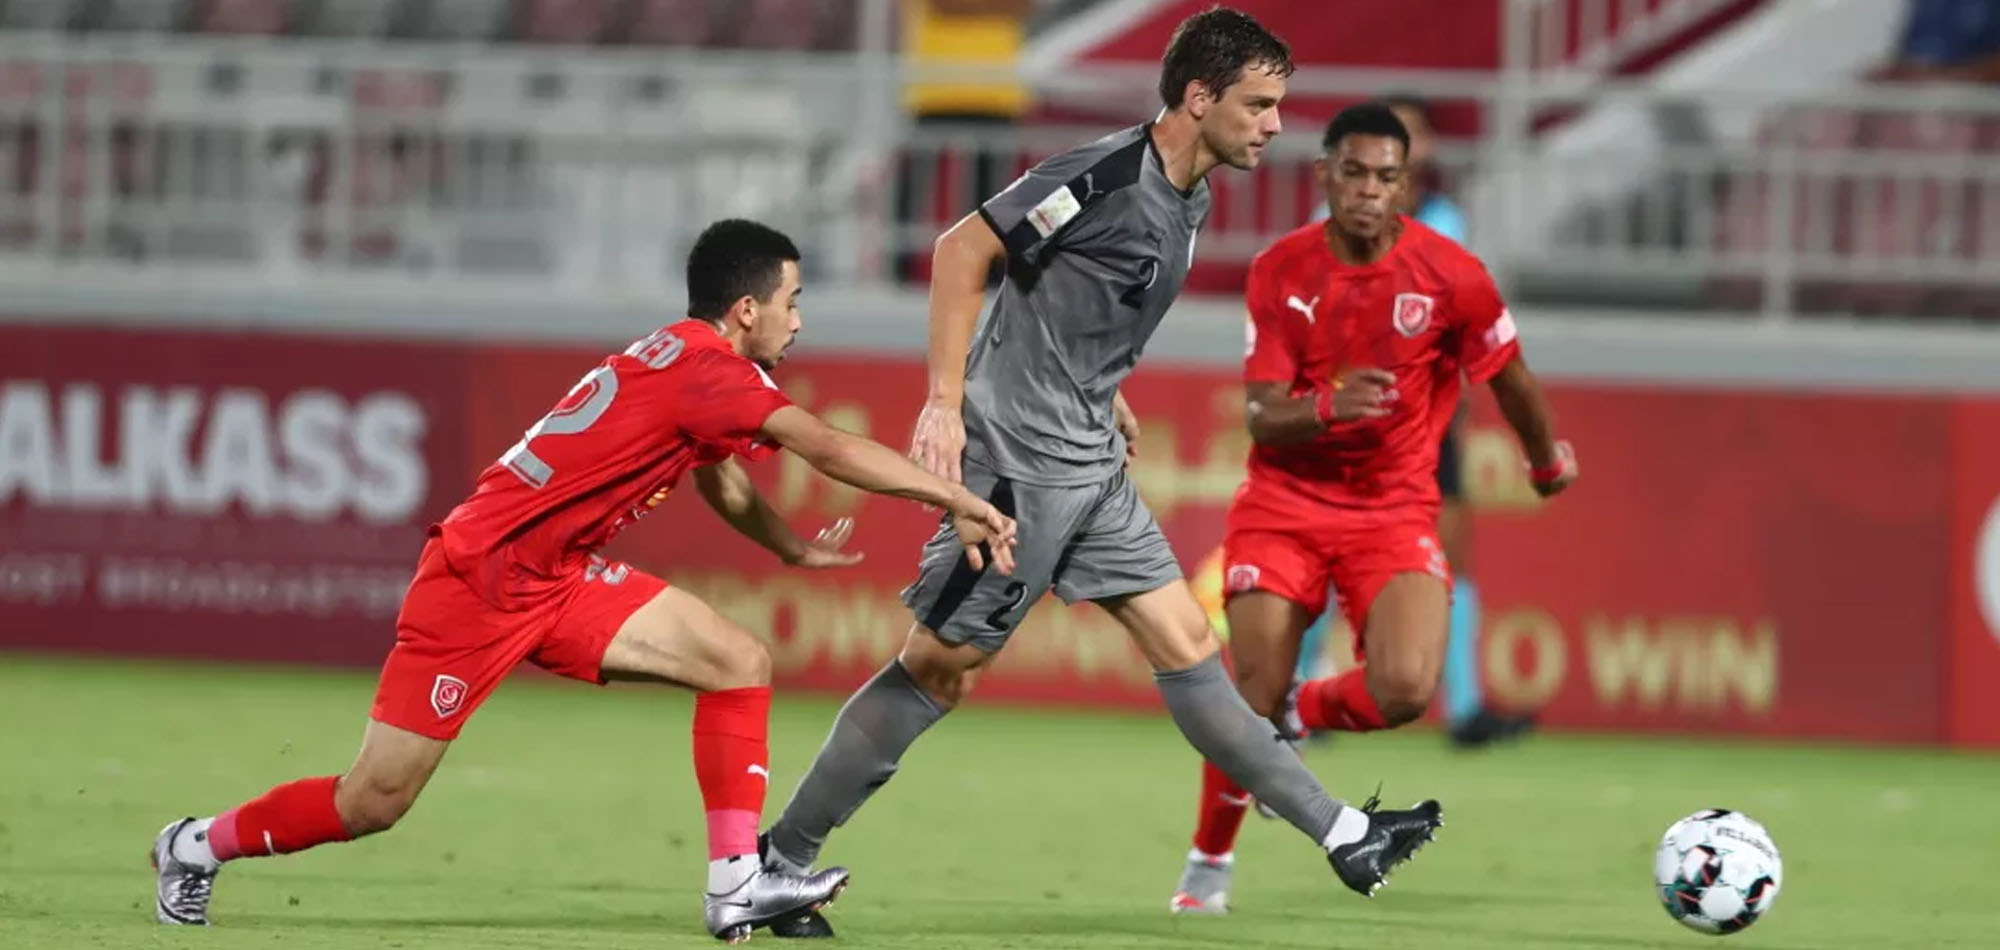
{"points": [[1035, 213]]}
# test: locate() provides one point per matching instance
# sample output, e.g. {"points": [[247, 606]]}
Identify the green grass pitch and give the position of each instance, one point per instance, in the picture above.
{"points": [[568, 817]]}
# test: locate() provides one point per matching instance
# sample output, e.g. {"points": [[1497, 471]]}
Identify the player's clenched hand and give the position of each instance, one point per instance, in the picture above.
{"points": [[939, 442], [1550, 479], [1361, 394], [825, 550], [982, 529]]}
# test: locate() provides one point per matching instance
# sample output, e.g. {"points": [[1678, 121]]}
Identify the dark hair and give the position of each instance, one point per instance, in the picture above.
{"points": [[1215, 46], [1410, 101], [1368, 118], [734, 259]]}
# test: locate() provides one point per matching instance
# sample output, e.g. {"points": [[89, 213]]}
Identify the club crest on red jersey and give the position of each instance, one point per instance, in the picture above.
{"points": [[1412, 313], [447, 694]]}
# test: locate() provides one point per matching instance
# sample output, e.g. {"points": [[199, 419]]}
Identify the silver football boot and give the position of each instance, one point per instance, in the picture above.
{"points": [[1204, 886], [181, 895], [768, 896]]}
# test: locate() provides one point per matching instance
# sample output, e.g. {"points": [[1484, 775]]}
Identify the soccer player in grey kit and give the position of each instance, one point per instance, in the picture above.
{"points": [[1097, 242]]}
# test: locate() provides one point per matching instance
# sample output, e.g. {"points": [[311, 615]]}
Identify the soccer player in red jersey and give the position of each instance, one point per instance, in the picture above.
{"points": [[511, 574], [1359, 332]]}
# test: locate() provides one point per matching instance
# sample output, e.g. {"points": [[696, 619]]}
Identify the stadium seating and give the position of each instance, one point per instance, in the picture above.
{"points": [[1879, 199], [746, 24], [490, 158]]}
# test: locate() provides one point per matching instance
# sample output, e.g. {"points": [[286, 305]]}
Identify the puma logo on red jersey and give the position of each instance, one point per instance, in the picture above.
{"points": [[1302, 306]]}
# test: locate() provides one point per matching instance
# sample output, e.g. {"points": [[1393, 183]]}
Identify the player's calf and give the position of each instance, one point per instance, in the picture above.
{"points": [[189, 853], [376, 791], [387, 776], [863, 749], [373, 803]]}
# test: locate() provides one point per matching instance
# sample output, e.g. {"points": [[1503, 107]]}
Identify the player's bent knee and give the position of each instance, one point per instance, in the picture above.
{"points": [[1401, 695], [675, 638], [947, 684], [1197, 644], [944, 671], [743, 663], [1263, 688], [1168, 625], [386, 777]]}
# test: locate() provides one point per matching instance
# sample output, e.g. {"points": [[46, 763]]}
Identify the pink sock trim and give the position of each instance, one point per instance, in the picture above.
{"points": [[731, 832], [222, 836]]}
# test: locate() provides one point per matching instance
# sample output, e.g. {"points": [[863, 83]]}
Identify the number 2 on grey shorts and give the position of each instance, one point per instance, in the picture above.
{"points": [[1086, 542]]}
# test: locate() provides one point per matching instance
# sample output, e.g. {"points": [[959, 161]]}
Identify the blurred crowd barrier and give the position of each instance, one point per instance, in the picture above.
{"points": [[1735, 561], [318, 168]]}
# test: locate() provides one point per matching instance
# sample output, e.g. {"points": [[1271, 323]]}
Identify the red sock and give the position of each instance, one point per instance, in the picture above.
{"points": [[1341, 703], [292, 817], [731, 761], [1223, 804]]}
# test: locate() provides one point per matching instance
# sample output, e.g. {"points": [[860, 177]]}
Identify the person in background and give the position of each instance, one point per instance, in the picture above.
{"points": [[1947, 41], [1469, 721], [962, 34]]}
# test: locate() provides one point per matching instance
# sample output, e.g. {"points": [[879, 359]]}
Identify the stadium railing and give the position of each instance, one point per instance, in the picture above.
{"points": [[470, 173]]}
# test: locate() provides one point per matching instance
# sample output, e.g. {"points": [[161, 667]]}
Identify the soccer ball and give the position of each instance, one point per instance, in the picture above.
{"points": [[1717, 871]]}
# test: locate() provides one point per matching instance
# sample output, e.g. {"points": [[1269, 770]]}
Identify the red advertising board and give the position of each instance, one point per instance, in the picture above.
{"points": [[1974, 681], [236, 495], [1732, 562]]}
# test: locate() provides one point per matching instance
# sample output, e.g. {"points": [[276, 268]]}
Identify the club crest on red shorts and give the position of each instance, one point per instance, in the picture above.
{"points": [[1413, 313], [447, 694], [1241, 577]]}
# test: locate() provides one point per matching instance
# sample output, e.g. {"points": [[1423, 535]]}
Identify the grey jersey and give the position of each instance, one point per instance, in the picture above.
{"points": [[1098, 246]]}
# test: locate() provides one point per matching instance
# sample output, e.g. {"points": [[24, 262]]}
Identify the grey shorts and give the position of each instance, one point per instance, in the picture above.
{"points": [[1087, 542]]}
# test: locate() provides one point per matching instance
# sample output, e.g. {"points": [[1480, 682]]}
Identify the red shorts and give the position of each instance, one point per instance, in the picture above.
{"points": [[452, 647], [1277, 546]]}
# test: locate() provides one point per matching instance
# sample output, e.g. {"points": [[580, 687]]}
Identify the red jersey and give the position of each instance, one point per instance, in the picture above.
{"points": [[1426, 312], [608, 453]]}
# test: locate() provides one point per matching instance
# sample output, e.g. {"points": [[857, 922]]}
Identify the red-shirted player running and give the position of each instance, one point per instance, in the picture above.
{"points": [[1359, 331], [511, 575]]}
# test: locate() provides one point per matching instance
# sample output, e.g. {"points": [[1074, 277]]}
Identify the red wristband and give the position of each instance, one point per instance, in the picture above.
{"points": [[1553, 470], [1323, 406]]}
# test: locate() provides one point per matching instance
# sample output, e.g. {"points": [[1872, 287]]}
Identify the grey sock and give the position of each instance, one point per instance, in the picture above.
{"points": [[869, 736], [1245, 746]]}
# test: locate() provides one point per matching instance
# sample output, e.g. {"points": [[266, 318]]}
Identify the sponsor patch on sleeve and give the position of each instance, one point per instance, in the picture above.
{"points": [[1053, 212], [1502, 331]]}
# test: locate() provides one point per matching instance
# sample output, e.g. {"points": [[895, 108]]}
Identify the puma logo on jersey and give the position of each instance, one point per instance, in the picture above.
{"points": [[1090, 186], [1435, 562], [759, 771], [1302, 306], [1135, 295]]}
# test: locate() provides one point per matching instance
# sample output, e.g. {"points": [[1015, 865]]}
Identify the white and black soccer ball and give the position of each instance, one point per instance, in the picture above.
{"points": [[1718, 871]]}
